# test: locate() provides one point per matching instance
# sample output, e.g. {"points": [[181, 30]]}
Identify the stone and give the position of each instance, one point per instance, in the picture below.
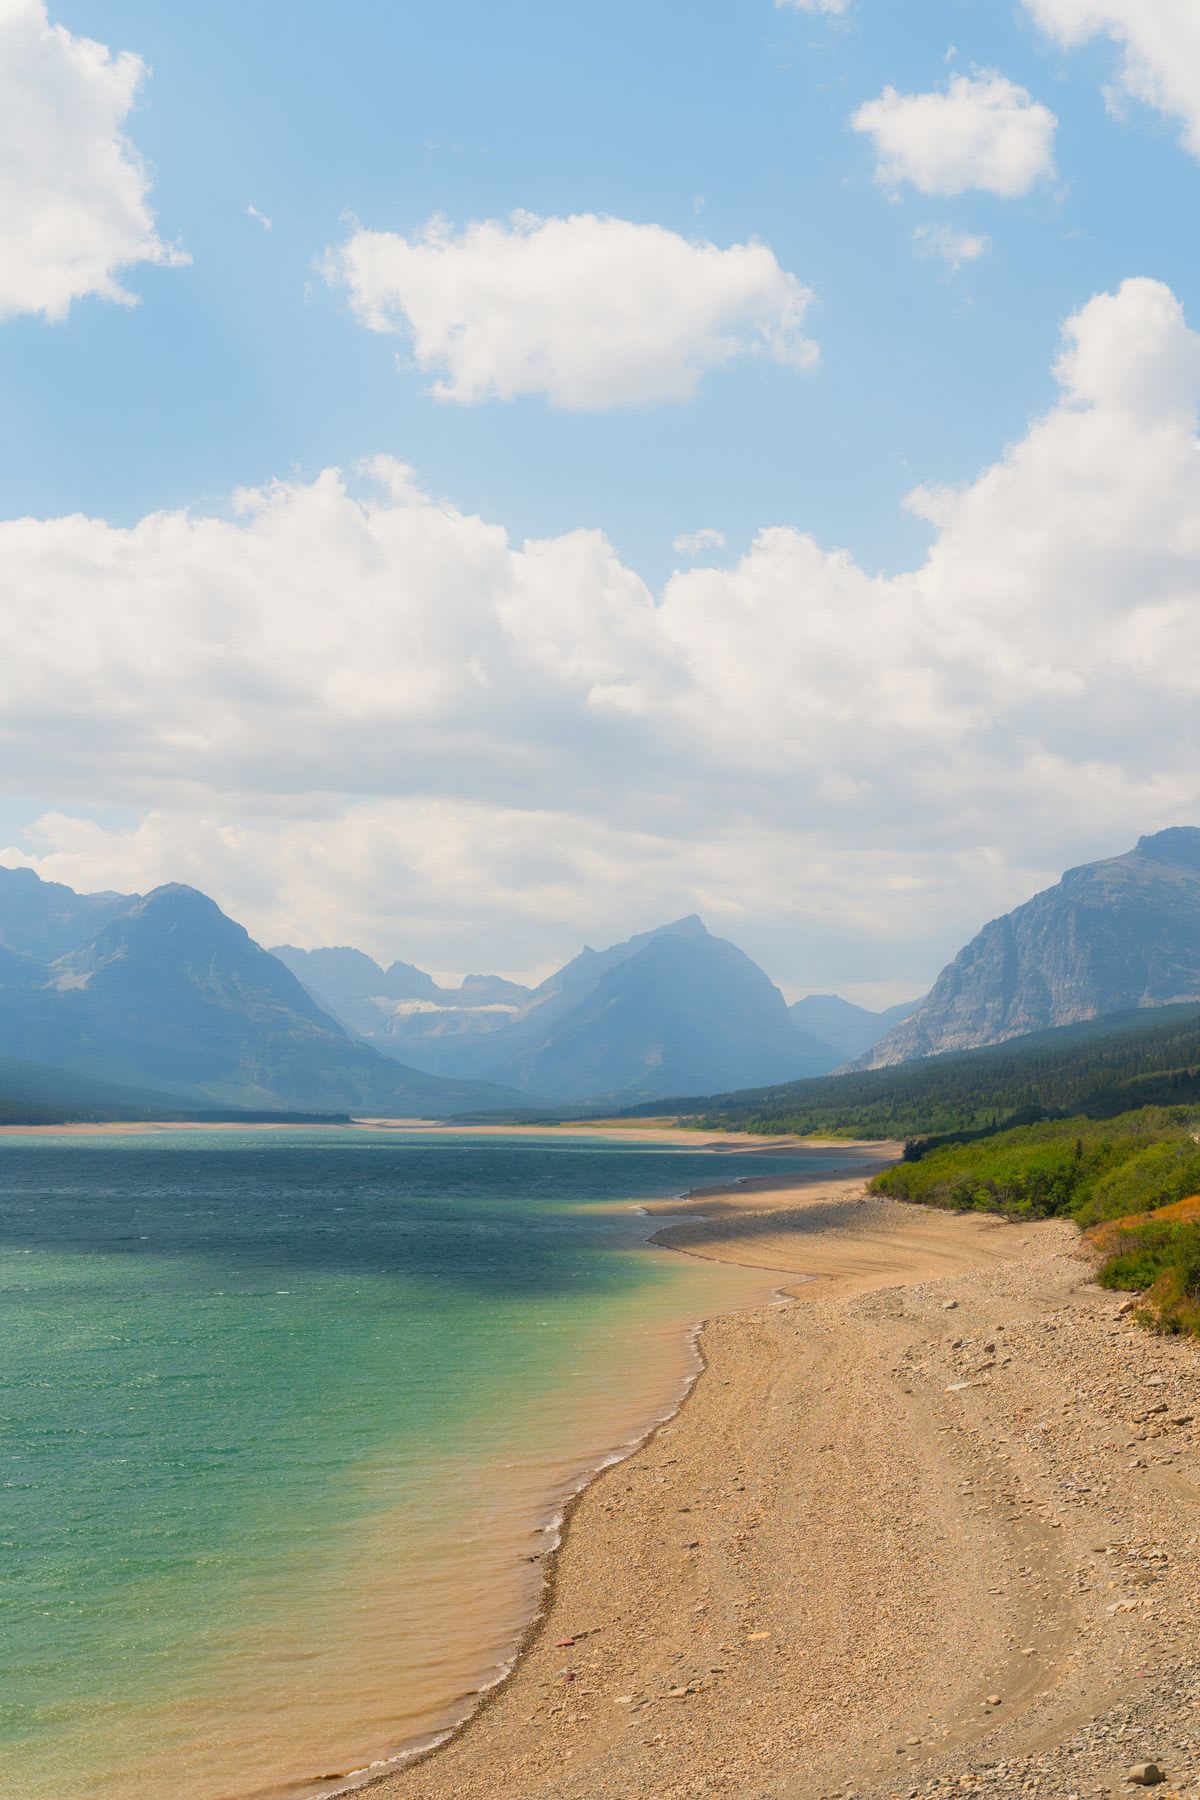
{"points": [[1145, 1775]]}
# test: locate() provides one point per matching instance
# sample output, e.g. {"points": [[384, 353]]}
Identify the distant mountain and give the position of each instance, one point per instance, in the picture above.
{"points": [[365, 996], [848, 1029], [45, 920], [1109, 937], [351, 986], [166, 991], [668, 1010]]}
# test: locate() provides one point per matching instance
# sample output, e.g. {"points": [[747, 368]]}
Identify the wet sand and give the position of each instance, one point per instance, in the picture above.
{"points": [[930, 1524], [625, 1134]]}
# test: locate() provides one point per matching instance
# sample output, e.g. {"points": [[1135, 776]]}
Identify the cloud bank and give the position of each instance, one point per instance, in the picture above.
{"points": [[588, 312], [982, 132], [1160, 41], [74, 194], [431, 736]]}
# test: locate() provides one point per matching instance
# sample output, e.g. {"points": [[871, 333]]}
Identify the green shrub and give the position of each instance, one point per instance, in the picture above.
{"points": [[1042, 1171], [1156, 1176], [1160, 1259]]}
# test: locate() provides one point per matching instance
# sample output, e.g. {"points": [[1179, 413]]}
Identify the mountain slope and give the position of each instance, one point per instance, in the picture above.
{"points": [[1110, 936], [36, 1094], [168, 992], [1149, 1057]]}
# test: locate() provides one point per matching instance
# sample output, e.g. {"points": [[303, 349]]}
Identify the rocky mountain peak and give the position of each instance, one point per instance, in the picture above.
{"points": [[1178, 844]]}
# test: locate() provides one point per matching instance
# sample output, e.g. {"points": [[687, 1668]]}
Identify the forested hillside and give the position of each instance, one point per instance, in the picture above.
{"points": [[34, 1093], [1101, 1067]]}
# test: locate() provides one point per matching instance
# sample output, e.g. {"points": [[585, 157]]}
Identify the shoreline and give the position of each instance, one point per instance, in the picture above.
{"points": [[840, 1184], [882, 1263], [676, 1136], [712, 1199], [363, 1780]]}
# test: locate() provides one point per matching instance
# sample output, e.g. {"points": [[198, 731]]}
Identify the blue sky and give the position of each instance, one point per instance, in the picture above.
{"points": [[727, 123]]}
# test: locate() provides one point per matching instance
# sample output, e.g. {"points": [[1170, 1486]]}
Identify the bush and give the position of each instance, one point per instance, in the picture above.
{"points": [[1161, 1260], [1041, 1171], [1156, 1176]]}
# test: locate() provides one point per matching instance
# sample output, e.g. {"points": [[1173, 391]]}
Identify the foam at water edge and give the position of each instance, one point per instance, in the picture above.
{"points": [[356, 1780]]}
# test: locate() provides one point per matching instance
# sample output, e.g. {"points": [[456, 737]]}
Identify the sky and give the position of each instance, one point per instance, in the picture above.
{"points": [[481, 480]]}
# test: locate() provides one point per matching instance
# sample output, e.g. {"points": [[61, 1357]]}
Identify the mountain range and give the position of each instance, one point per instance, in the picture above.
{"points": [[669, 1011], [164, 991], [1109, 937]]}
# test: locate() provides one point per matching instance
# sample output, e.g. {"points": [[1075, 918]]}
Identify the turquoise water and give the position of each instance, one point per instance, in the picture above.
{"points": [[283, 1416]]}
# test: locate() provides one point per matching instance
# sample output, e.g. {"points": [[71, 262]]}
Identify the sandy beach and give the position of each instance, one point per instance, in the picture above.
{"points": [[929, 1524], [623, 1133]]}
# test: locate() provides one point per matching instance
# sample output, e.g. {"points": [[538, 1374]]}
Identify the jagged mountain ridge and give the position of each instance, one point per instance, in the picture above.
{"points": [[666, 1011], [1110, 937], [165, 990]]}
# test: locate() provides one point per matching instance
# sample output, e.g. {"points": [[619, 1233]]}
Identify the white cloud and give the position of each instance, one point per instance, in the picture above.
{"points": [[695, 543], [1161, 44], [252, 212], [814, 6], [351, 709], [954, 248], [74, 194], [590, 312], [983, 132]]}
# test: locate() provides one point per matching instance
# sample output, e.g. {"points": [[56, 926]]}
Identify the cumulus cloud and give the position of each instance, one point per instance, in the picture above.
{"points": [[1160, 40], [588, 311], [74, 193], [983, 131], [954, 248], [349, 701], [695, 543]]}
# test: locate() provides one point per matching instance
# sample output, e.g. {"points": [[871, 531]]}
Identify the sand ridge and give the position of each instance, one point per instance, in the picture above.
{"points": [[881, 1509]]}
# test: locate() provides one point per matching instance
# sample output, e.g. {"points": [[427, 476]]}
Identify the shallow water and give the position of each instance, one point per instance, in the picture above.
{"points": [[286, 1417]]}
